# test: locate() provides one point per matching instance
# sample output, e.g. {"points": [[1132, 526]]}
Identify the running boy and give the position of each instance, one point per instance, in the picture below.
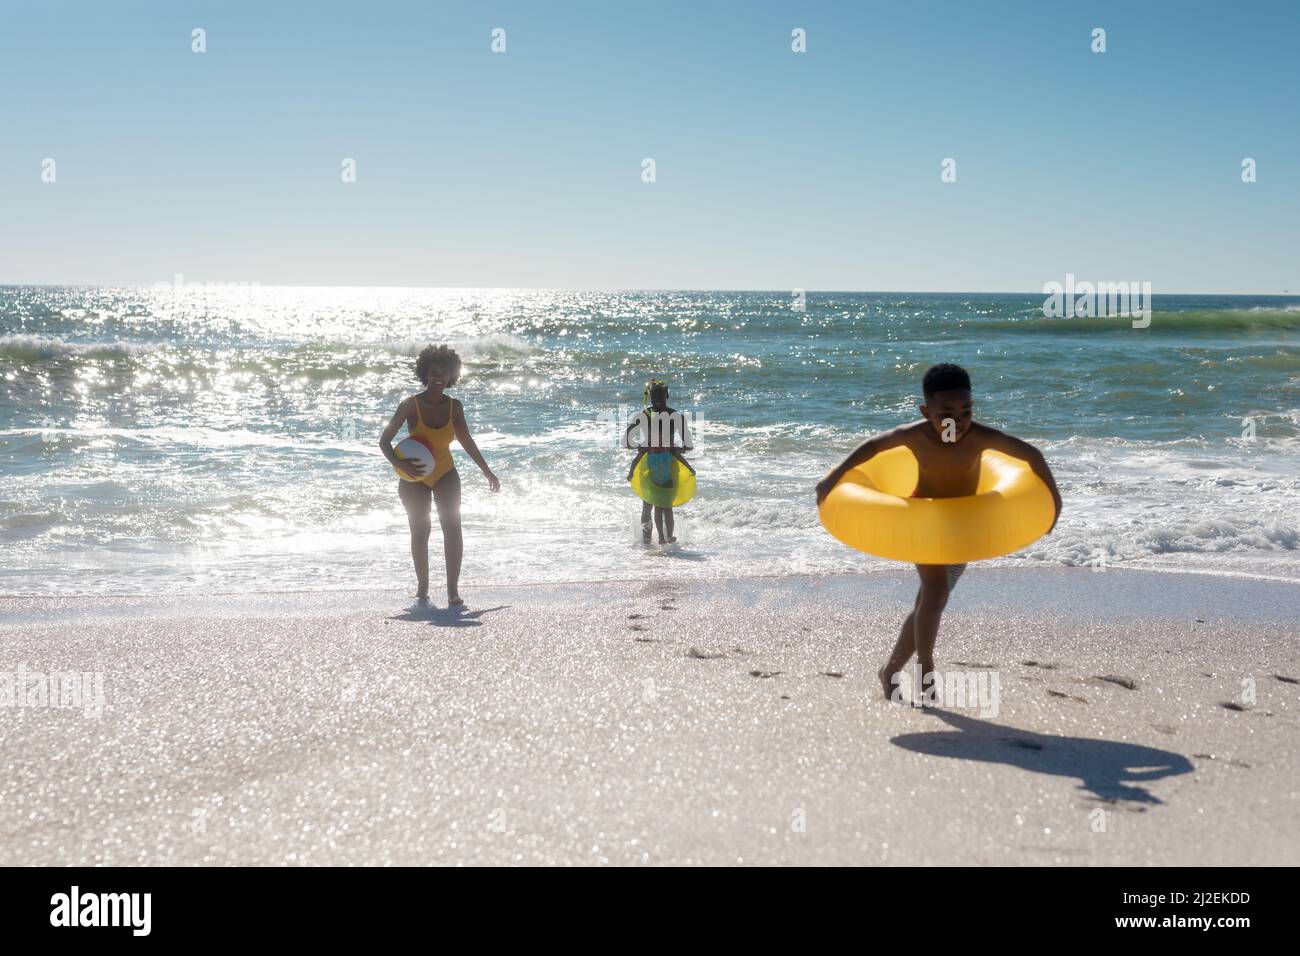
{"points": [[948, 445]]}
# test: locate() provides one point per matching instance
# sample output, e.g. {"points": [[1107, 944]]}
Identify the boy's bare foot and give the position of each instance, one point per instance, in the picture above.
{"points": [[886, 675], [456, 601]]}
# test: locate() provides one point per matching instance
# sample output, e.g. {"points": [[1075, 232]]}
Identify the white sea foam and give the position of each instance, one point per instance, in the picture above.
{"points": [[470, 348], [31, 346]]}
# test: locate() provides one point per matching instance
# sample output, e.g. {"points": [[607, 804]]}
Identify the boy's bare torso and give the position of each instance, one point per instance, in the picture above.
{"points": [[948, 469]]}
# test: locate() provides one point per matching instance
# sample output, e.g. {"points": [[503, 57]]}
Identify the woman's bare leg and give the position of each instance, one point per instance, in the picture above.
{"points": [[447, 496], [415, 498]]}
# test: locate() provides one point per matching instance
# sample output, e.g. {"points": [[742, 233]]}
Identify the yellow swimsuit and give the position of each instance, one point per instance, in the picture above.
{"points": [[440, 440]]}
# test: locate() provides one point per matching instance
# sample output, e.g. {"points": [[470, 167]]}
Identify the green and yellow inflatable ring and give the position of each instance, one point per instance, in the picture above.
{"points": [[681, 491]]}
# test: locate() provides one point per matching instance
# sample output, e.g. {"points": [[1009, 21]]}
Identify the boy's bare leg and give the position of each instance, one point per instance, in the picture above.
{"points": [[903, 650], [646, 508], [668, 523], [931, 601], [659, 523]]}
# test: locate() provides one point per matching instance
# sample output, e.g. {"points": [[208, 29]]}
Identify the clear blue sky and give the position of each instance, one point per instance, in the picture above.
{"points": [[775, 170]]}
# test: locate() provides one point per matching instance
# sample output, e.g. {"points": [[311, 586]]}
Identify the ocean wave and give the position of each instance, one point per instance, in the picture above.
{"points": [[174, 438], [1099, 547], [31, 348], [1254, 319], [1218, 536], [350, 355], [482, 348], [756, 514]]}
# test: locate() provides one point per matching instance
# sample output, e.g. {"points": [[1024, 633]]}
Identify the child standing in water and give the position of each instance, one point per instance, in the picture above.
{"points": [[948, 445], [438, 368], [660, 424]]}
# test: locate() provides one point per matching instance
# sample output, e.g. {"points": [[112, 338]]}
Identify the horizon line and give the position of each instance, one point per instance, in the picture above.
{"points": [[488, 288]]}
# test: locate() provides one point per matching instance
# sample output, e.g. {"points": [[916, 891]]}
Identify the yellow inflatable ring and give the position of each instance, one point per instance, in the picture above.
{"points": [[681, 491], [869, 509]]}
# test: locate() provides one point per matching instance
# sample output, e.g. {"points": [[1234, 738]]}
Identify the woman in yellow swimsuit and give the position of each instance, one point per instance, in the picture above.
{"points": [[438, 368]]}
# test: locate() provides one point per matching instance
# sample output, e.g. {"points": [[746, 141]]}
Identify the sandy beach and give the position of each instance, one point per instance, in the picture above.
{"points": [[1140, 719]]}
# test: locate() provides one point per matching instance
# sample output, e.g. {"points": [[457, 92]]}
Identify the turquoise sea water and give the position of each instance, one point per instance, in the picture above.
{"points": [[224, 438]]}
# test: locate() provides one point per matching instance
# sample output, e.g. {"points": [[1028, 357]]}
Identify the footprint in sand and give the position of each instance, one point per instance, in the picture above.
{"points": [[832, 673], [1286, 680], [700, 655], [764, 673], [1117, 803], [1126, 682], [1046, 667], [1245, 709], [1229, 761], [971, 664], [636, 617], [1057, 693]]}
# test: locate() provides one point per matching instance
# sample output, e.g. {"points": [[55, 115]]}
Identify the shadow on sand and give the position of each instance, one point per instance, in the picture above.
{"points": [[677, 555], [457, 616], [1107, 768]]}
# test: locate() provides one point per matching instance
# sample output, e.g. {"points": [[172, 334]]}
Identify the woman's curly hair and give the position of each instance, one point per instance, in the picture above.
{"points": [[442, 356]]}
